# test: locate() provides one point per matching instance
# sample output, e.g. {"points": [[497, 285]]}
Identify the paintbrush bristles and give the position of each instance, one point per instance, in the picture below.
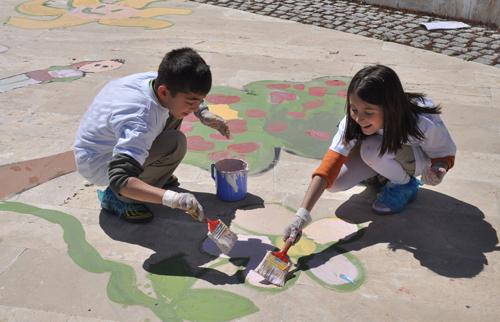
{"points": [[273, 269], [223, 237]]}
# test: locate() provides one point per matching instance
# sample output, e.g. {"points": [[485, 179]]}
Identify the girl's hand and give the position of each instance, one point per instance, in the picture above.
{"points": [[434, 174], [294, 230]]}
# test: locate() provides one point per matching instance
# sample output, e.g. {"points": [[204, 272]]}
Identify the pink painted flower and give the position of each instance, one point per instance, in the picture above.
{"points": [[222, 99], [335, 82], [278, 86], [276, 127], [278, 97], [198, 143], [319, 135], [317, 91], [296, 115]]}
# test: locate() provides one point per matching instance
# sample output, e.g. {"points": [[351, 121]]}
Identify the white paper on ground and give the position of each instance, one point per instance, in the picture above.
{"points": [[444, 25]]}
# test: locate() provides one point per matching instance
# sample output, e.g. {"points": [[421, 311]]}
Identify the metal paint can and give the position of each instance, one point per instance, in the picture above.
{"points": [[230, 177]]}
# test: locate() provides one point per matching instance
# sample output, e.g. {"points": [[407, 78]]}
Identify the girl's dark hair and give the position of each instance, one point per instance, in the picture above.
{"points": [[183, 70], [380, 85]]}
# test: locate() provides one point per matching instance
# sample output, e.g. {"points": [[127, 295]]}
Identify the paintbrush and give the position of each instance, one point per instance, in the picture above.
{"points": [[221, 235], [275, 265]]}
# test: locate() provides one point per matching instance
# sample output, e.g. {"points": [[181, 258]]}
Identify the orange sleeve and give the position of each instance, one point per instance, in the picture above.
{"points": [[449, 160], [329, 167]]}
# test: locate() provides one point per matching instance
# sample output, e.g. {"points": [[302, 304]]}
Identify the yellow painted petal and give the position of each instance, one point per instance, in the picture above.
{"points": [[37, 8], [224, 111], [86, 3], [302, 248], [139, 22], [153, 12], [61, 22]]}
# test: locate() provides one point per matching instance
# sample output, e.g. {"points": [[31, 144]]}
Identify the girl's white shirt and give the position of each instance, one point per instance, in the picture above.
{"points": [[437, 141]]}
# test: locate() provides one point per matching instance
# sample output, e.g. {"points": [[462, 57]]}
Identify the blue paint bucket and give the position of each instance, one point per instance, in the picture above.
{"points": [[230, 177]]}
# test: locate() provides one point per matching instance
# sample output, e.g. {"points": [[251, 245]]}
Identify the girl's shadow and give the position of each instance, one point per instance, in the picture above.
{"points": [[448, 236], [177, 239]]}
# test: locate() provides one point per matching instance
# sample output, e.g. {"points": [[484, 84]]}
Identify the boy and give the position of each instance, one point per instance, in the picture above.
{"points": [[129, 139]]}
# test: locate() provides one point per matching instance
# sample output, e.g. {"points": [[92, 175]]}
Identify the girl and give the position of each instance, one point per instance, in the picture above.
{"points": [[385, 132]]}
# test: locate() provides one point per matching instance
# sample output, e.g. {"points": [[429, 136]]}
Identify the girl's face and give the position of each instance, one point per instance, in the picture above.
{"points": [[370, 117]]}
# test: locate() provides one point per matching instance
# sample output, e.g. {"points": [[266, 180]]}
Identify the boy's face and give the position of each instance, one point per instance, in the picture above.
{"points": [[370, 117], [180, 105]]}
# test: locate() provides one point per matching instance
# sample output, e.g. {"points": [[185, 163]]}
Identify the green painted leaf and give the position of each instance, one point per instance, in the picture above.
{"points": [[170, 287], [212, 305]]}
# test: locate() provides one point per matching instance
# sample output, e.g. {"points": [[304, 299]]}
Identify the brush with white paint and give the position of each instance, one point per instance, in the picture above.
{"points": [[221, 235], [275, 265]]}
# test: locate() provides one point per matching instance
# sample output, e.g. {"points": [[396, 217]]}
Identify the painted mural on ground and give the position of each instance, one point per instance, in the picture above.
{"points": [[66, 73], [315, 255], [267, 116], [176, 298], [20, 176], [124, 13]]}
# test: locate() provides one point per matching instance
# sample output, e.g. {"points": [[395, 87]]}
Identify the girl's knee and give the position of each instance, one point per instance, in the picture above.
{"points": [[370, 149]]}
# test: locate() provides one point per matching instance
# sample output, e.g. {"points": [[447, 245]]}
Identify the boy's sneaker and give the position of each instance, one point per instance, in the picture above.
{"points": [[129, 211], [394, 197]]}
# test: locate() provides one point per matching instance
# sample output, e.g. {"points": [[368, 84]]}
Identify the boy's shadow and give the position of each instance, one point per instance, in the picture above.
{"points": [[177, 238], [448, 236]]}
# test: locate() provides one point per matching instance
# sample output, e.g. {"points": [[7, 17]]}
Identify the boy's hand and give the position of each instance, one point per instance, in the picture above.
{"points": [[434, 174], [184, 201], [214, 121], [294, 230]]}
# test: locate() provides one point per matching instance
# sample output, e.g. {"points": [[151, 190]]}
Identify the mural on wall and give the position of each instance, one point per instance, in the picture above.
{"points": [[65, 73], [123, 13], [267, 116]]}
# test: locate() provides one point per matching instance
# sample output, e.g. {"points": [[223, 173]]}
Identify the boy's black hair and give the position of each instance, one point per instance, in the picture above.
{"points": [[184, 71], [380, 85]]}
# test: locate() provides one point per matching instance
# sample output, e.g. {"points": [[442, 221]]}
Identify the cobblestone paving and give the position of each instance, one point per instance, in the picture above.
{"points": [[479, 44]]}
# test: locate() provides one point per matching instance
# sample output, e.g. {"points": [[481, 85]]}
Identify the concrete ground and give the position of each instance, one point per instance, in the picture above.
{"points": [[63, 259]]}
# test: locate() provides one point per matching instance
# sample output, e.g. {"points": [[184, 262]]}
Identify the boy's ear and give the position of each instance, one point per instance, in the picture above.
{"points": [[163, 91]]}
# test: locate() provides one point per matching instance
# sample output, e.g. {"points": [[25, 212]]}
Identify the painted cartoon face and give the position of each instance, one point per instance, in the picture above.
{"points": [[370, 117], [100, 66]]}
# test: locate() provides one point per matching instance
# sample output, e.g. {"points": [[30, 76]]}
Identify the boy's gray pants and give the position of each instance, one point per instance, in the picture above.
{"points": [[165, 155]]}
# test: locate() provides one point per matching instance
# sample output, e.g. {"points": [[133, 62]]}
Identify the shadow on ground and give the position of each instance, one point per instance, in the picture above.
{"points": [[446, 235], [177, 239]]}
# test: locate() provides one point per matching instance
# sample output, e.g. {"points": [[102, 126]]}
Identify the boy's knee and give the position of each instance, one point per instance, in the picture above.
{"points": [[171, 144], [370, 149], [181, 143]]}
